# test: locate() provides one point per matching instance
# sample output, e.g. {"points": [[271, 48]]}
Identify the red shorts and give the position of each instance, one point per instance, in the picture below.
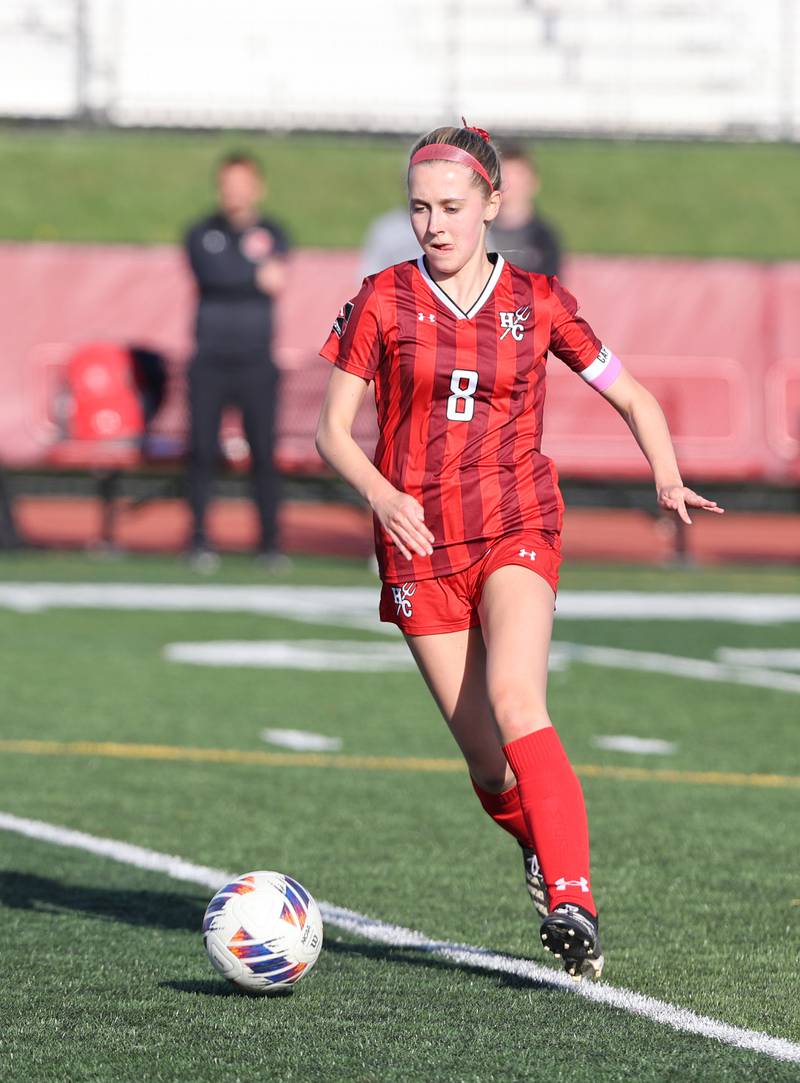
{"points": [[450, 603]]}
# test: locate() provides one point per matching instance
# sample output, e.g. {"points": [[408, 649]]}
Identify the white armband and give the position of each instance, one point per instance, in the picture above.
{"points": [[603, 371]]}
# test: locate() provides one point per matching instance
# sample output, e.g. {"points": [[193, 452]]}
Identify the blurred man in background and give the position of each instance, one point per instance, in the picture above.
{"points": [[238, 259], [519, 233]]}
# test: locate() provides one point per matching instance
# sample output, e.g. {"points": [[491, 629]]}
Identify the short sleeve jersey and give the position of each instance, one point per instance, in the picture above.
{"points": [[459, 398]]}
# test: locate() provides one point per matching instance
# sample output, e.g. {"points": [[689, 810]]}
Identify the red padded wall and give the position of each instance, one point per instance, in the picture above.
{"points": [[717, 341]]}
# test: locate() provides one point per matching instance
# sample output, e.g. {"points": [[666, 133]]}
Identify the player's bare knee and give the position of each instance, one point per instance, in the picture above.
{"points": [[518, 711], [491, 779]]}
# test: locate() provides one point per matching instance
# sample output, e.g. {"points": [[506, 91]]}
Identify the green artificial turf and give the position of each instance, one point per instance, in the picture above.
{"points": [[693, 199], [51, 565], [105, 974]]}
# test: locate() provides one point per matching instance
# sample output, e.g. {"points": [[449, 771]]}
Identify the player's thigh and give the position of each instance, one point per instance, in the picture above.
{"points": [[516, 613], [453, 666]]}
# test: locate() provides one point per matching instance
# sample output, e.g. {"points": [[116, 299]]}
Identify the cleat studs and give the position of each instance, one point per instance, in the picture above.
{"points": [[546, 948], [557, 954], [590, 951], [586, 943], [544, 937], [572, 932]]}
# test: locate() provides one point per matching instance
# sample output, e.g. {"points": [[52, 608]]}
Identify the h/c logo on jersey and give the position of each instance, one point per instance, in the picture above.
{"points": [[402, 598], [515, 323]]}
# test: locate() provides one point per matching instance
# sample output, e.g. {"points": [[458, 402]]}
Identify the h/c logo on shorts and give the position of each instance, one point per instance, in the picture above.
{"points": [[402, 598]]}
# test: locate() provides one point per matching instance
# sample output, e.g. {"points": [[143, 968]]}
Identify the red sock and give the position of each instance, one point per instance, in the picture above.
{"points": [[506, 811], [552, 803]]}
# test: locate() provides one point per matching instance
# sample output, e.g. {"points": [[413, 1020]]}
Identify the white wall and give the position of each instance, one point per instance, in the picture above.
{"points": [[720, 68]]}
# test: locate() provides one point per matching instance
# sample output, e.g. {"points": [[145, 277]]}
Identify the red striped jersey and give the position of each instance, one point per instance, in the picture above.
{"points": [[459, 397]]}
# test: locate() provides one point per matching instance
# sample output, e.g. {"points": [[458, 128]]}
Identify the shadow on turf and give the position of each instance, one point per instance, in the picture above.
{"points": [[420, 957], [166, 910], [220, 988], [378, 953], [157, 909]]}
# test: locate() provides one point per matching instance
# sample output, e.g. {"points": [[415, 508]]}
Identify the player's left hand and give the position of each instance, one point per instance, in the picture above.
{"points": [[678, 498]]}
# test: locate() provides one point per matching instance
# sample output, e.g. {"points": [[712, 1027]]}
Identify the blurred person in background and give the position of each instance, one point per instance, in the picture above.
{"points": [[389, 240], [9, 539], [238, 260], [518, 233]]}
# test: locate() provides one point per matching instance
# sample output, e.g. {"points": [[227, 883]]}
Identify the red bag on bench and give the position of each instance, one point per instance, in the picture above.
{"points": [[106, 405]]}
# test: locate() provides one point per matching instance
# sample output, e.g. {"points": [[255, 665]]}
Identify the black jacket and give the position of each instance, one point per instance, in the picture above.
{"points": [[533, 247], [234, 317]]}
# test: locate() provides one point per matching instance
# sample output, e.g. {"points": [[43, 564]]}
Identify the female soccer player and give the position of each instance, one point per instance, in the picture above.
{"points": [[467, 509]]}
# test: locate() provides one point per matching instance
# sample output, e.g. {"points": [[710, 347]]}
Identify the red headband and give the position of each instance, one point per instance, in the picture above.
{"points": [[448, 153]]}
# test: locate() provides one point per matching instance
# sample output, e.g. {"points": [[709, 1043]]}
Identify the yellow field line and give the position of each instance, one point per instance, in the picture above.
{"points": [[176, 753], [230, 755], [699, 778]]}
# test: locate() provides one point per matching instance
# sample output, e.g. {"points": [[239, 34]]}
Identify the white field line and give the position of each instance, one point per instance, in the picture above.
{"points": [[347, 606], [647, 746], [301, 740], [658, 1011], [354, 656], [357, 606], [662, 605], [700, 669], [378, 657], [774, 657]]}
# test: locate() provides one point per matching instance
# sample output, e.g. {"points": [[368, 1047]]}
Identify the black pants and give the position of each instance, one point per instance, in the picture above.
{"points": [[9, 539], [252, 386]]}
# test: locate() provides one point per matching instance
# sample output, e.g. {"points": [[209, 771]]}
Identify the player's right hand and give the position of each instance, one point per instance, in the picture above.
{"points": [[403, 519]]}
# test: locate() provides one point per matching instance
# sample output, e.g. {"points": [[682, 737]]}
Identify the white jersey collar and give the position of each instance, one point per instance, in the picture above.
{"points": [[448, 301]]}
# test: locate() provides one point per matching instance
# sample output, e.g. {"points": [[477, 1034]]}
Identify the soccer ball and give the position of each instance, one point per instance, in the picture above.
{"points": [[263, 931]]}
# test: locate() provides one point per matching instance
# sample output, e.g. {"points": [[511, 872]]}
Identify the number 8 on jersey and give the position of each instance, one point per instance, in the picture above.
{"points": [[461, 404]]}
